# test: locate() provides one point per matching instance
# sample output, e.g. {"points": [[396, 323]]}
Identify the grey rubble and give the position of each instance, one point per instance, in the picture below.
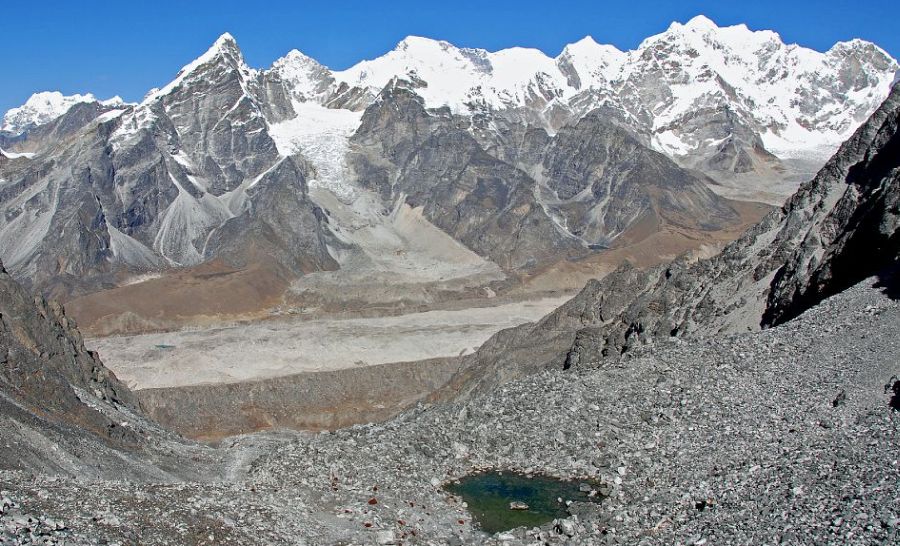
{"points": [[729, 441]]}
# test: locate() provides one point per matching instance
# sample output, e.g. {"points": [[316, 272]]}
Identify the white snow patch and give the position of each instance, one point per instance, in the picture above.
{"points": [[322, 136], [131, 126], [110, 115], [14, 155], [669, 143]]}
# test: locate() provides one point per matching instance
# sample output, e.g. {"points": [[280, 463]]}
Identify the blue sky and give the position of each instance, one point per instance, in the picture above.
{"points": [[126, 48]]}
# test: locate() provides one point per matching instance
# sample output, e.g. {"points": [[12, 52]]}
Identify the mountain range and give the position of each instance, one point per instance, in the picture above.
{"points": [[431, 165]]}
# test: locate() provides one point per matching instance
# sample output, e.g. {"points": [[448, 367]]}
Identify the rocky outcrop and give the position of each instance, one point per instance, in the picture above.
{"points": [[428, 159], [859, 236], [48, 380], [63, 412], [605, 182], [43, 350], [838, 229]]}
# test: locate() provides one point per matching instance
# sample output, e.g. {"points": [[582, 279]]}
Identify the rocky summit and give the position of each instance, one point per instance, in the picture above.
{"points": [[241, 243]]}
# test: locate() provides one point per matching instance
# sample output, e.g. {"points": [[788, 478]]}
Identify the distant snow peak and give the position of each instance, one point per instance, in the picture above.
{"points": [[588, 46], [420, 43], [295, 57], [701, 22], [44, 107], [114, 101], [304, 77]]}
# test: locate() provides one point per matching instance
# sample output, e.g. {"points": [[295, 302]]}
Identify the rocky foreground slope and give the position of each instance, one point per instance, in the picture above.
{"points": [[782, 435], [63, 412]]}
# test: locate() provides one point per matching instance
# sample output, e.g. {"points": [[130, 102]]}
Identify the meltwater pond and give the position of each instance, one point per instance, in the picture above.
{"points": [[489, 496]]}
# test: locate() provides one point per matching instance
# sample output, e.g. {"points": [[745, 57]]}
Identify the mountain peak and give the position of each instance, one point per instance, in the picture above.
{"points": [[701, 22], [698, 23], [420, 43], [42, 108], [224, 44], [225, 38], [224, 49], [589, 48], [587, 41], [297, 55], [858, 45]]}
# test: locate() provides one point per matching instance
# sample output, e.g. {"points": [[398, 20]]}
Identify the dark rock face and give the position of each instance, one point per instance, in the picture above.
{"points": [[429, 159], [161, 185], [608, 182], [40, 340], [532, 197], [859, 237], [63, 412], [280, 223], [48, 379], [893, 389], [839, 228]]}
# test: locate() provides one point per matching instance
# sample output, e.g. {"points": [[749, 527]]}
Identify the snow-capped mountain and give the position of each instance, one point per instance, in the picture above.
{"points": [[426, 158], [797, 100], [717, 98], [46, 106]]}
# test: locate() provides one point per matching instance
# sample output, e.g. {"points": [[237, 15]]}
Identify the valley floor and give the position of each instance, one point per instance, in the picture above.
{"points": [[275, 348], [780, 436]]}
